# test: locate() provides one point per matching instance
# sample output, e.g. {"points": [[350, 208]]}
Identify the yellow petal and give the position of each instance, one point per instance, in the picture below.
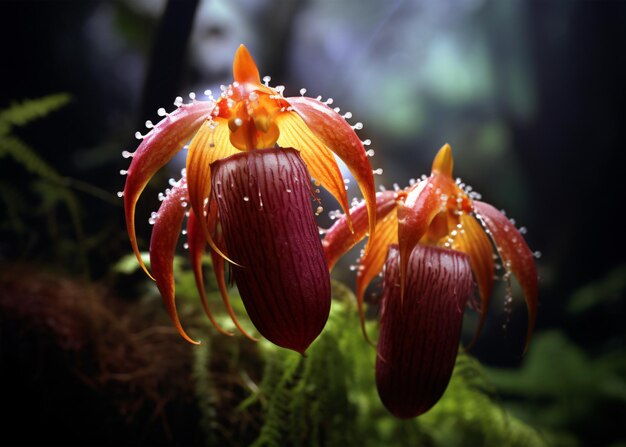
{"points": [[339, 137], [210, 144], [319, 160]]}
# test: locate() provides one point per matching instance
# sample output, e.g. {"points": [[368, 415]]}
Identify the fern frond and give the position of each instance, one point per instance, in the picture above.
{"points": [[29, 110], [11, 146]]}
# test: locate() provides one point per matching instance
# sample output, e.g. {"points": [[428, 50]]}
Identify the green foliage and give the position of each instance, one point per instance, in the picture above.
{"points": [[205, 392], [329, 398], [49, 186]]}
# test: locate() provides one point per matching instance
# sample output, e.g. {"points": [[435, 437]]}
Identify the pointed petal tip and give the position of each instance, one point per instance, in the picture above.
{"points": [[244, 67], [443, 162]]}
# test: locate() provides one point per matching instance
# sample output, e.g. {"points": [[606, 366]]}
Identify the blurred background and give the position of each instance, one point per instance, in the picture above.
{"points": [[530, 95]]}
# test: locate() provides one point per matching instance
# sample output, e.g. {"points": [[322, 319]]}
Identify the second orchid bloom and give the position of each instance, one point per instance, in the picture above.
{"points": [[432, 242], [247, 193]]}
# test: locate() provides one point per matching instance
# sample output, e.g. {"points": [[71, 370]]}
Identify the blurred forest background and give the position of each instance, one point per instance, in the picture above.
{"points": [[530, 95]]}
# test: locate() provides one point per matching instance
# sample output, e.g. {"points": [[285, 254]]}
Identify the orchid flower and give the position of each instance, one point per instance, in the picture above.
{"points": [[434, 240], [247, 194]]}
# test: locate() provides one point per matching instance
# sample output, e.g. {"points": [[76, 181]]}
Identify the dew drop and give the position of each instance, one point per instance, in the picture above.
{"points": [[186, 246], [178, 101], [161, 112], [302, 91], [246, 198], [123, 172], [120, 193], [127, 154], [149, 124]]}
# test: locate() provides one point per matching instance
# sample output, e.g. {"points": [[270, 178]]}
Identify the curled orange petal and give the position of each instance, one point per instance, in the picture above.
{"points": [[167, 226], [372, 261], [197, 243], [208, 145], [318, 158], [515, 255], [157, 148], [473, 240], [339, 137], [338, 239]]}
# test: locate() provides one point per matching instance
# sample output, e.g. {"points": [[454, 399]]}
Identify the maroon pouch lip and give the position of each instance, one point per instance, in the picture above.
{"points": [[420, 334], [265, 211]]}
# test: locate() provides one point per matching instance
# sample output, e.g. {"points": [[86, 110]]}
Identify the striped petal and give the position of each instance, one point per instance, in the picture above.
{"points": [[165, 234], [318, 158], [339, 137], [473, 241], [515, 255], [419, 335], [157, 148], [264, 202]]}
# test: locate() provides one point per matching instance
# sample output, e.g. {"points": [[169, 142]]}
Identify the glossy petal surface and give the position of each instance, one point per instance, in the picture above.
{"points": [[165, 234], [203, 151], [264, 202], [415, 214], [339, 137], [318, 158], [419, 335], [515, 255], [157, 148], [473, 241]]}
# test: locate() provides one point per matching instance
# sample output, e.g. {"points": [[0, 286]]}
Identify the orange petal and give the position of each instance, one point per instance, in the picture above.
{"points": [[415, 214], [218, 269], [473, 240], [197, 243], [210, 144], [372, 261], [443, 162], [165, 234], [317, 157], [157, 148], [338, 239], [515, 255], [339, 137], [244, 68]]}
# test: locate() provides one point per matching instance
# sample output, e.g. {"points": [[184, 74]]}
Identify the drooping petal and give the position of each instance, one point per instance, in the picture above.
{"points": [[473, 241], [165, 234], [338, 239], [419, 336], [317, 157], [157, 148], [515, 255], [197, 242], [371, 262], [207, 146], [415, 214], [339, 137], [244, 67], [268, 225]]}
